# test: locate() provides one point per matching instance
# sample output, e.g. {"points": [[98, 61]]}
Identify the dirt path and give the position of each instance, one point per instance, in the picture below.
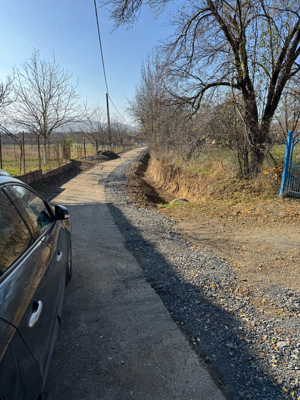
{"points": [[261, 239], [263, 254]]}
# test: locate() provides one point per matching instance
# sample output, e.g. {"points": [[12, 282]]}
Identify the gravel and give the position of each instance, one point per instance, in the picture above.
{"points": [[250, 353]]}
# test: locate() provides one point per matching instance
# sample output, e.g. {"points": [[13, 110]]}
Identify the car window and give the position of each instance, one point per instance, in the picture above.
{"points": [[35, 207], [15, 238]]}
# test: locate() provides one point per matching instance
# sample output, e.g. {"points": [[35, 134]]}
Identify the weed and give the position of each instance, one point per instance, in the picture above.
{"points": [[169, 205]]}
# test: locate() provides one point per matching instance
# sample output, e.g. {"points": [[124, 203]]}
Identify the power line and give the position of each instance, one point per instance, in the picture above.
{"points": [[117, 110], [101, 46], [102, 57]]}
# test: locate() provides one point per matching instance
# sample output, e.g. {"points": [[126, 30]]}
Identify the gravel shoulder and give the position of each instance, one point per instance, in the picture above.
{"points": [[251, 350]]}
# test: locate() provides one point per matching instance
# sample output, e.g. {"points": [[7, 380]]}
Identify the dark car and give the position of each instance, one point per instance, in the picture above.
{"points": [[35, 265]]}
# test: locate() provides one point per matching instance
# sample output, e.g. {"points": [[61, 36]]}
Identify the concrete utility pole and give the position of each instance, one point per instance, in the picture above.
{"points": [[108, 120]]}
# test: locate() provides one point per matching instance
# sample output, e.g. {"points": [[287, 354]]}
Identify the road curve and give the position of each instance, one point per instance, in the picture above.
{"points": [[117, 340]]}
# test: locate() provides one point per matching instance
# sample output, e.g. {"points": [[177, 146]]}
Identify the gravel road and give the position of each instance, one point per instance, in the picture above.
{"points": [[250, 353]]}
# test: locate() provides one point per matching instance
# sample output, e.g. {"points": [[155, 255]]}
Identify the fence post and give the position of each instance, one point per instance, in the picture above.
{"points": [[24, 160], [286, 162], [0, 153]]}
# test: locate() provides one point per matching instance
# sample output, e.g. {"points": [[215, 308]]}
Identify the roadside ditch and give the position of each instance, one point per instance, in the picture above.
{"points": [[243, 325]]}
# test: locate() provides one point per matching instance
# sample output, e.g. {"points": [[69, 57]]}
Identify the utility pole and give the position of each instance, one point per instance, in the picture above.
{"points": [[108, 120]]}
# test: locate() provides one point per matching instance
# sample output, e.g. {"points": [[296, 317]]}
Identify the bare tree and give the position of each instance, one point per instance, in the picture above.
{"points": [[6, 93], [146, 105], [119, 131], [288, 112], [16, 139], [6, 99], [250, 47], [167, 127], [46, 100], [93, 127]]}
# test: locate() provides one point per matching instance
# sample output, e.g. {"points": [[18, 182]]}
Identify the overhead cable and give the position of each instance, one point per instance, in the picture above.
{"points": [[117, 110], [101, 46], [102, 57]]}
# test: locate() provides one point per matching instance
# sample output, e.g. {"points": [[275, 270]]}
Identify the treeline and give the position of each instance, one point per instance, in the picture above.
{"points": [[228, 75], [40, 100]]}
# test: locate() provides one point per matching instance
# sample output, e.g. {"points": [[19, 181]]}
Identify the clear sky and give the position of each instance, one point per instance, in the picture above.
{"points": [[67, 28]]}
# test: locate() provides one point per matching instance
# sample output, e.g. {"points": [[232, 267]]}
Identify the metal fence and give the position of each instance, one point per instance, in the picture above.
{"points": [[290, 183]]}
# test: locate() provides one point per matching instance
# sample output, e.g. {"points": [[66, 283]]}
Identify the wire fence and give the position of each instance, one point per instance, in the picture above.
{"points": [[16, 160]]}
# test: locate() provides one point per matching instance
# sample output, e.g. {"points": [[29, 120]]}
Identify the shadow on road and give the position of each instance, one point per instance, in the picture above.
{"points": [[207, 327]]}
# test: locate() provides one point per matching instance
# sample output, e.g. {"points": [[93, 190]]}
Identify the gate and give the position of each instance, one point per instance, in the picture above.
{"points": [[290, 182]]}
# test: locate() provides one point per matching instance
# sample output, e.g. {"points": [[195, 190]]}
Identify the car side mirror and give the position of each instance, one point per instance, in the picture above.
{"points": [[61, 213]]}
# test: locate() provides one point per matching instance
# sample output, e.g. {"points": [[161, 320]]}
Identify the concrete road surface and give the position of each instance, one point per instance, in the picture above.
{"points": [[117, 340]]}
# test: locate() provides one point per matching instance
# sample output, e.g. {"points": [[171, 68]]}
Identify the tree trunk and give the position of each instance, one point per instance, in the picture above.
{"points": [[246, 169], [49, 150], [257, 159], [257, 135], [45, 151], [97, 145], [258, 148]]}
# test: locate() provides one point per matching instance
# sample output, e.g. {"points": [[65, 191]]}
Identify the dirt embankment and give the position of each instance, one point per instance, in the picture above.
{"points": [[257, 234], [174, 182]]}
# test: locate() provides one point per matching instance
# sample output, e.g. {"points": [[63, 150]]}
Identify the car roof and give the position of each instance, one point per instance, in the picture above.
{"points": [[7, 179], [2, 172]]}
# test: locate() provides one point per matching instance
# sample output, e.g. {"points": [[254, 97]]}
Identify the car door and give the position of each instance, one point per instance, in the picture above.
{"points": [[47, 263], [20, 375]]}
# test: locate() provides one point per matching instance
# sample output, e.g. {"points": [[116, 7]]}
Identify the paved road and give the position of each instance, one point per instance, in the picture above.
{"points": [[117, 340]]}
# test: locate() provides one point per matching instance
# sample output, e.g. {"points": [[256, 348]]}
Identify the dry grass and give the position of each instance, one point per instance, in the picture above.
{"points": [[11, 157], [243, 221], [212, 181]]}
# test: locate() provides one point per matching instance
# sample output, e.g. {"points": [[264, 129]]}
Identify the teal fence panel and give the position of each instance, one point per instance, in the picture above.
{"points": [[290, 182]]}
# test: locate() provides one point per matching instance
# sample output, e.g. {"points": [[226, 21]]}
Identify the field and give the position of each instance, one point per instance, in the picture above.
{"points": [[11, 156]]}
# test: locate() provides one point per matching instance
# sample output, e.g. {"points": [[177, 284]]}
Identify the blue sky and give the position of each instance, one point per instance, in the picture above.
{"points": [[68, 29]]}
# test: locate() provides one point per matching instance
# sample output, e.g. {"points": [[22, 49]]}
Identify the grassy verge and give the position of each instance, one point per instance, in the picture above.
{"points": [[221, 194], [12, 166], [218, 171]]}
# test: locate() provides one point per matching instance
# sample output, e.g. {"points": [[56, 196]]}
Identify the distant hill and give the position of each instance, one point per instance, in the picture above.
{"points": [[77, 126]]}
